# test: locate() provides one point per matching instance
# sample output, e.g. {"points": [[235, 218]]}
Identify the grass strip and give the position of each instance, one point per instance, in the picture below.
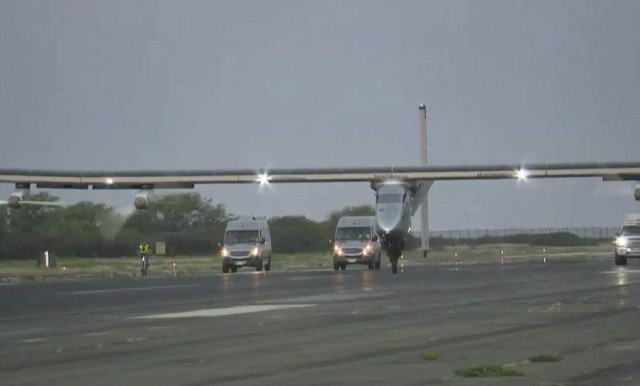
{"points": [[487, 371], [198, 265]]}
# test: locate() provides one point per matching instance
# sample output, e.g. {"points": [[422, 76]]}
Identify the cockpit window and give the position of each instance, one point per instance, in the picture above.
{"points": [[390, 198], [241, 237], [631, 230]]}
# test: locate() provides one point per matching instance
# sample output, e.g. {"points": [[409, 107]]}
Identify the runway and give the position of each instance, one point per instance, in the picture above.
{"points": [[321, 327]]}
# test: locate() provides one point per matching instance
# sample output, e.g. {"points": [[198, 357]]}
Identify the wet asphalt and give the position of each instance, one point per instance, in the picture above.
{"points": [[319, 327]]}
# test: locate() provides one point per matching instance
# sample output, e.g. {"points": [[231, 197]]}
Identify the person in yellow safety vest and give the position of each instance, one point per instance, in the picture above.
{"points": [[144, 250]]}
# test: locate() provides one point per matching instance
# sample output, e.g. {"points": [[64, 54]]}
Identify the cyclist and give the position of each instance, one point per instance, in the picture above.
{"points": [[144, 251]]}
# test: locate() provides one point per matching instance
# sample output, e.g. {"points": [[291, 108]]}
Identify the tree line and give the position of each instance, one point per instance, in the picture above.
{"points": [[188, 223]]}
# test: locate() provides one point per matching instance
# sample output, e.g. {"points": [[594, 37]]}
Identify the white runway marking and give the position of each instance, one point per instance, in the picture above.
{"points": [[332, 297], [213, 312], [103, 333], [34, 340], [623, 271], [158, 328], [126, 289]]}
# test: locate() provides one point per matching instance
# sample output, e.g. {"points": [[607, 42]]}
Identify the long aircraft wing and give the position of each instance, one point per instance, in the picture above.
{"points": [[189, 178]]}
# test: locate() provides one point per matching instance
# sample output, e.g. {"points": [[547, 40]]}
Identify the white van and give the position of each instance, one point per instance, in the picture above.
{"points": [[356, 242], [247, 243], [628, 239]]}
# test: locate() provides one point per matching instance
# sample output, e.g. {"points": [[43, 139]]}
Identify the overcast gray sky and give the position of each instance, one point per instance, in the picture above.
{"points": [[126, 85]]}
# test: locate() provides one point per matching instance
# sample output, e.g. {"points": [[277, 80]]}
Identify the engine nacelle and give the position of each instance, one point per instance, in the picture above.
{"points": [[637, 194], [142, 200], [15, 200]]}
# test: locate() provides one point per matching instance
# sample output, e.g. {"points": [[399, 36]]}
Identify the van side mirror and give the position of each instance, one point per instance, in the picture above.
{"points": [[263, 241], [220, 245], [375, 238]]}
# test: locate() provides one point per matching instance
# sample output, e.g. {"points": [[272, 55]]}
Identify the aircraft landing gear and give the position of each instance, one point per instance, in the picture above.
{"points": [[394, 264], [394, 247], [394, 256]]}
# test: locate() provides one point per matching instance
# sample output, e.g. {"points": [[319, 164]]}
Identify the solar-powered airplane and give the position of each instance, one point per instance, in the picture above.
{"points": [[400, 191]]}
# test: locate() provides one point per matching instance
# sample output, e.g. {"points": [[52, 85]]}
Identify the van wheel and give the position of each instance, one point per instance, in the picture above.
{"points": [[259, 268], [343, 266], [225, 268], [234, 269], [336, 267], [371, 265], [620, 260], [267, 267], [377, 263]]}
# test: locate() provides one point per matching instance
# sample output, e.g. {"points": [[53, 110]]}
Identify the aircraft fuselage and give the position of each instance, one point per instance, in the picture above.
{"points": [[393, 213], [393, 217]]}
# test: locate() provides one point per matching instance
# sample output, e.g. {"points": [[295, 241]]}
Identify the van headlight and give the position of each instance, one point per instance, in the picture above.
{"points": [[337, 250], [621, 241], [367, 250], [224, 252], [255, 251]]}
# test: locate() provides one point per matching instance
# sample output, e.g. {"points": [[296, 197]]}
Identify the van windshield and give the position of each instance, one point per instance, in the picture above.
{"points": [[353, 233], [241, 237], [630, 230]]}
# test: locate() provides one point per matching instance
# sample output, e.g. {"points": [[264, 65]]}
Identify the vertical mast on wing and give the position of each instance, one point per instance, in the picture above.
{"points": [[423, 196]]}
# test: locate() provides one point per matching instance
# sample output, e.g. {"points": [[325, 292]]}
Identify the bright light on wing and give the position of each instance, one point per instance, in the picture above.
{"points": [[263, 178], [522, 174], [109, 181]]}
